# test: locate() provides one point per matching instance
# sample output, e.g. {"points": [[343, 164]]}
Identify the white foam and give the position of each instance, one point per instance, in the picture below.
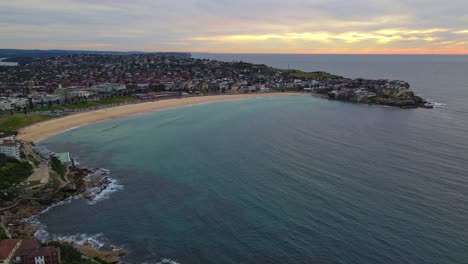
{"points": [[162, 261], [438, 105], [112, 186], [58, 133], [167, 261], [97, 240]]}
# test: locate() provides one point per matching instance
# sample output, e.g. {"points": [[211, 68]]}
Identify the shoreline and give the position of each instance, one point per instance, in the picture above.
{"points": [[43, 130], [21, 220]]}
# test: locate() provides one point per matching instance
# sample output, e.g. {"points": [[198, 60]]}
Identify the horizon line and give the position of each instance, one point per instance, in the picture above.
{"points": [[252, 53]]}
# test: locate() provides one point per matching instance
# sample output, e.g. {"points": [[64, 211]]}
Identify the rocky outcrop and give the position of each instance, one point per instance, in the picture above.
{"points": [[109, 256]]}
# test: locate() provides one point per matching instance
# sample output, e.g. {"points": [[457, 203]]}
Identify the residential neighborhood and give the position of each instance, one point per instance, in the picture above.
{"points": [[28, 251], [52, 81]]}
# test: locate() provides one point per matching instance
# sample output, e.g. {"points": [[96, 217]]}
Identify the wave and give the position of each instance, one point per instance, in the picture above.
{"points": [[436, 104], [167, 261], [58, 133], [162, 261], [112, 186], [96, 241]]}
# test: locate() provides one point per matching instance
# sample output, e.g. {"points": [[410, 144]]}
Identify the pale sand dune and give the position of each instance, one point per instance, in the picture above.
{"points": [[45, 129]]}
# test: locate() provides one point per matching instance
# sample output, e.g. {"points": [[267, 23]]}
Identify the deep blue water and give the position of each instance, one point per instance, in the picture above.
{"points": [[287, 179]]}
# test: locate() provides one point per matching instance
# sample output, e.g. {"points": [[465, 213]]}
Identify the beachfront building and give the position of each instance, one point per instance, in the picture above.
{"points": [[9, 146], [6, 104], [29, 251], [108, 88], [8, 247], [9, 103]]}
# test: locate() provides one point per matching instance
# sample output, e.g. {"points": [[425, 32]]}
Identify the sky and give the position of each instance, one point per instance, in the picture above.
{"points": [[238, 26]]}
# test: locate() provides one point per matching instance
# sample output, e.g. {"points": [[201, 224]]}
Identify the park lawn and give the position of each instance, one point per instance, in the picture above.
{"points": [[82, 105], [11, 123], [13, 172]]}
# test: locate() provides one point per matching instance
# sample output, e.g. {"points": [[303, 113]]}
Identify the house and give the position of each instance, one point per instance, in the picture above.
{"points": [[8, 247], [6, 104], [108, 87], [9, 146], [6, 137], [31, 252]]}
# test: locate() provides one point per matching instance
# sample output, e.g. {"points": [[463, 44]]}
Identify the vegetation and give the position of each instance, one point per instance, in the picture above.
{"points": [[13, 172], [54, 179], [70, 255], [33, 160], [86, 104], [2, 234], [34, 183], [292, 73], [11, 123], [58, 166], [307, 75]]}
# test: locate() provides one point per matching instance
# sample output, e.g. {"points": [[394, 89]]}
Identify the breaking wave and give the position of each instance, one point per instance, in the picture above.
{"points": [[163, 261], [438, 105], [112, 186], [96, 241]]}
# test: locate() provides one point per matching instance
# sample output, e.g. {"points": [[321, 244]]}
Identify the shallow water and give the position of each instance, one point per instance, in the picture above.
{"points": [[281, 180]]}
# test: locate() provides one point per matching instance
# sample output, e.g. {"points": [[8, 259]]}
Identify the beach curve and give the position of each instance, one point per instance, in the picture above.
{"points": [[42, 130]]}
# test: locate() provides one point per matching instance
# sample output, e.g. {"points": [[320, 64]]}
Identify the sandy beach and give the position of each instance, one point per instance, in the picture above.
{"points": [[48, 128]]}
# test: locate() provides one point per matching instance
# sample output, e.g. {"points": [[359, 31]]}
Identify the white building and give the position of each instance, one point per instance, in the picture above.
{"points": [[6, 137], [39, 260], [6, 104], [9, 146], [10, 149], [108, 87]]}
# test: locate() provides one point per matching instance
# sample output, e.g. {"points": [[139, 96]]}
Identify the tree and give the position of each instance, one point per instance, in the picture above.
{"points": [[58, 166]]}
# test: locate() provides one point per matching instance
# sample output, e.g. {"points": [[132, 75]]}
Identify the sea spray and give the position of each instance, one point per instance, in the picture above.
{"points": [[105, 186], [96, 241]]}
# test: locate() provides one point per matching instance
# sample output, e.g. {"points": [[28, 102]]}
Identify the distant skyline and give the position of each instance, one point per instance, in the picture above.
{"points": [[221, 26]]}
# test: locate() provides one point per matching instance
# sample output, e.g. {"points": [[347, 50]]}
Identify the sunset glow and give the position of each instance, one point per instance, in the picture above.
{"points": [[297, 26]]}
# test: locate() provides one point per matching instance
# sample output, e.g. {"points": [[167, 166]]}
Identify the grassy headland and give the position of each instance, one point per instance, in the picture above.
{"points": [[293, 73], [88, 104]]}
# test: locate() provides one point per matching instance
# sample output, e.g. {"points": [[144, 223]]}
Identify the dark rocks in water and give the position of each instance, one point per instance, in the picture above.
{"points": [[96, 186]]}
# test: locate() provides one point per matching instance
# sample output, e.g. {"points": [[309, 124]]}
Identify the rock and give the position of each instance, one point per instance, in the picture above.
{"points": [[106, 255]]}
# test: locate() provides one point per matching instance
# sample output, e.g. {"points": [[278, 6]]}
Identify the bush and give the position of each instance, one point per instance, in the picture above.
{"points": [[2, 234], [58, 166], [13, 172]]}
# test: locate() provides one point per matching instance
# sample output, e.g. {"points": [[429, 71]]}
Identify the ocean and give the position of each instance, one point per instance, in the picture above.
{"points": [[293, 179], [4, 63]]}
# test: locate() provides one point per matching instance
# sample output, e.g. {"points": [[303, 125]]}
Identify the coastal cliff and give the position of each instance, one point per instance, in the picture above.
{"points": [[378, 92], [20, 205]]}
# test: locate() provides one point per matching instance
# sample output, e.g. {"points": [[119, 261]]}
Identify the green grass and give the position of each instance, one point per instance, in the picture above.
{"points": [[34, 183], [82, 105], [11, 123], [58, 166], [307, 75], [33, 160], [2, 234], [13, 172], [54, 179]]}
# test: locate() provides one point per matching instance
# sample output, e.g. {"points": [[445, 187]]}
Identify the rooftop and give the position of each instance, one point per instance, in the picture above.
{"points": [[7, 246]]}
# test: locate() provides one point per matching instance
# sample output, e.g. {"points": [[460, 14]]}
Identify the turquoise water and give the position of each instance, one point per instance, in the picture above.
{"points": [[276, 180]]}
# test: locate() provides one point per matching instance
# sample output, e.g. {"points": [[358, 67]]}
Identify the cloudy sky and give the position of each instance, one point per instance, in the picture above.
{"points": [[238, 26]]}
